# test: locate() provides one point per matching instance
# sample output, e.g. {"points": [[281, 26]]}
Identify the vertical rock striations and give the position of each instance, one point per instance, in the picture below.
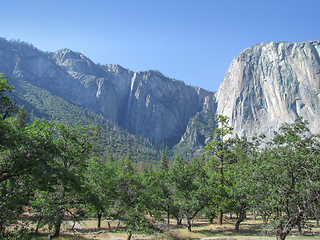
{"points": [[269, 84], [162, 107], [145, 103], [265, 85]]}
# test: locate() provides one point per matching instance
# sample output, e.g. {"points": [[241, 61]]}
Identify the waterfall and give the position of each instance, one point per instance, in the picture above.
{"points": [[127, 120]]}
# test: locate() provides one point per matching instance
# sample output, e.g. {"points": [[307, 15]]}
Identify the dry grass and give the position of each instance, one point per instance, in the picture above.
{"points": [[249, 230]]}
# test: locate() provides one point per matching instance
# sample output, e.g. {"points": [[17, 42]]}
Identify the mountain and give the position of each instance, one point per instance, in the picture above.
{"points": [[38, 93], [269, 84], [265, 85], [143, 103]]}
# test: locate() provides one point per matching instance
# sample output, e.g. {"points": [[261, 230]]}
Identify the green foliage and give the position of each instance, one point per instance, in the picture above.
{"points": [[191, 189], [202, 126], [22, 162], [131, 203], [279, 180], [23, 166], [44, 105], [6, 105], [68, 190], [55, 167], [222, 156], [164, 162], [43, 164], [243, 185], [220, 146], [101, 178], [293, 176]]}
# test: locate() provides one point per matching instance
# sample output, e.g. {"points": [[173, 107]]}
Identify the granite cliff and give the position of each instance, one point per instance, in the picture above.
{"points": [[265, 85], [269, 84], [144, 103]]}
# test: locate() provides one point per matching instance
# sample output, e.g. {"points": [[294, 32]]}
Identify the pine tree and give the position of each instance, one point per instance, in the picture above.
{"points": [[164, 162]]}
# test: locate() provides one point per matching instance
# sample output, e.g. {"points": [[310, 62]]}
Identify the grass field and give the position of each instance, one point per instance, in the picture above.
{"points": [[249, 230]]}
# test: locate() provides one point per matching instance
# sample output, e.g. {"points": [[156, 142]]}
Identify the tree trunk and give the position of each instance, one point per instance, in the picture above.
{"points": [[168, 215], [38, 225], [299, 228], [264, 219], [189, 225], [240, 219], [129, 236], [279, 231], [99, 219], [211, 216], [220, 216], [56, 229], [118, 225], [282, 232], [237, 225], [278, 212], [281, 237]]}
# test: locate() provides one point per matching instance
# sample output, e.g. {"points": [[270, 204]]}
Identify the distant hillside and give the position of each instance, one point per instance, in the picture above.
{"points": [[266, 85], [42, 104]]}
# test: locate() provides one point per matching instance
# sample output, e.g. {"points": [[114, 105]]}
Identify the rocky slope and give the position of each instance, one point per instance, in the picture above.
{"points": [[269, 84], [144, 103], [199, 131], [265, 85]]}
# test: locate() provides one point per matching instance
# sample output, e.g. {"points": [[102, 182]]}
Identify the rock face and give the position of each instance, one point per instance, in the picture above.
{"points": [[269, 84], [265, 86], [159, 107], [199, 131], [145, 103]]}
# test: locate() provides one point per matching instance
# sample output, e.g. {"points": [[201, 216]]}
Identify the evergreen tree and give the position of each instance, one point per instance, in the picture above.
{"points": [[110, 156], [164, 162], [221, 154]]}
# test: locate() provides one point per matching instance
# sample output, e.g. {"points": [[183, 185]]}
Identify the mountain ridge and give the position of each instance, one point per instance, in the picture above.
{"points": [[144, 103], [265, 85]]}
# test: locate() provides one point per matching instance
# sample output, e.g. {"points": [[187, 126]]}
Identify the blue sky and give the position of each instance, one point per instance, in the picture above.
{"points": [[193, 41]]}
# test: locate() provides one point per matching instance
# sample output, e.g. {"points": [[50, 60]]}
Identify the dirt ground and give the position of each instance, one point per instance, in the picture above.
{"points": [[249, 230]]}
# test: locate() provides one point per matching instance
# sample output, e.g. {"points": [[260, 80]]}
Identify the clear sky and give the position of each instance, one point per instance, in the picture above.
{"points": [[190, 40]]}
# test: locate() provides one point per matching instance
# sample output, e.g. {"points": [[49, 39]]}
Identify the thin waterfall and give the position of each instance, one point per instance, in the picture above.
{"points": [[127, 120]]}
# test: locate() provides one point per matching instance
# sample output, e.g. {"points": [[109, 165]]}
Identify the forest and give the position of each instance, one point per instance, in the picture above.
{"points": [[58, 173]]}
